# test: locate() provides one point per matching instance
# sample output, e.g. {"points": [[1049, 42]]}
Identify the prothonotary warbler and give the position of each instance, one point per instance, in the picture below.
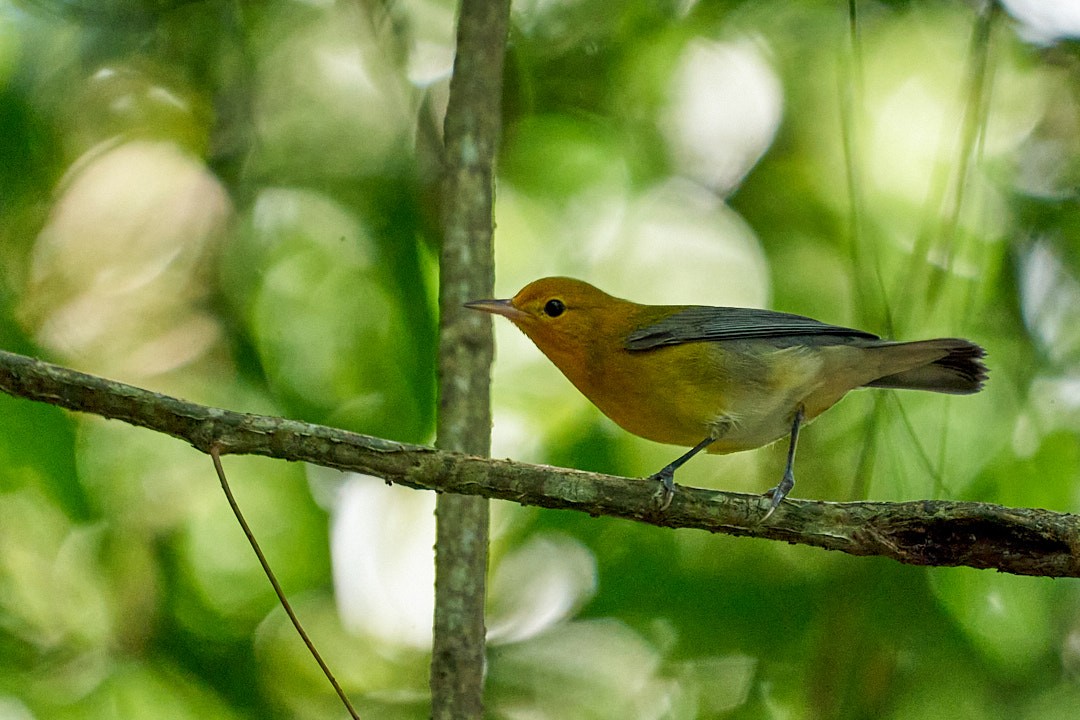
{"points": [[720, 379]]}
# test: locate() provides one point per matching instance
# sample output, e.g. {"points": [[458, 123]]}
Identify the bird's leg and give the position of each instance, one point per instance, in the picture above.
{"points": [[666, 476], [787, 482]]}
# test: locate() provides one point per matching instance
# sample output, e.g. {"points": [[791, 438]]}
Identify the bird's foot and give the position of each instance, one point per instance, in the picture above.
{"points": [[666, 492], [778, 493]]}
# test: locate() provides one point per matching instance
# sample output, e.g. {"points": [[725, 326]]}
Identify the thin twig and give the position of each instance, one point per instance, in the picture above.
{"points": [[215, 455]]}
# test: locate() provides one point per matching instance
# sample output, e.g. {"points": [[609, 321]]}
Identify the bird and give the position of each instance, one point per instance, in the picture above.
{"points": [[720, 379]]}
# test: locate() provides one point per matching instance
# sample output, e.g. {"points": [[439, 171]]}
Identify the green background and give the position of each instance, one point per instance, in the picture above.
{"points": [[236, 202]]}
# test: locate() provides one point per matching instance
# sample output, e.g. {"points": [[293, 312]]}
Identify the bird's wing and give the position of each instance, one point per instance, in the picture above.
{"points": [[697, 323]]}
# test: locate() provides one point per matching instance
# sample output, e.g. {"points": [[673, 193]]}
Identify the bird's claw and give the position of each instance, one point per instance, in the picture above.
{"points": [[777, 494], [666, 493]]}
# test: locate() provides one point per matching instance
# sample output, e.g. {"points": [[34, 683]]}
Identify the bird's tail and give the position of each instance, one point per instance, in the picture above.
{"points": [[948, 365]]}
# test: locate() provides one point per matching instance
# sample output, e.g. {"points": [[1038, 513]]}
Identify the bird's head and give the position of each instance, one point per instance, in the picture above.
{"points": [[563, 316]]}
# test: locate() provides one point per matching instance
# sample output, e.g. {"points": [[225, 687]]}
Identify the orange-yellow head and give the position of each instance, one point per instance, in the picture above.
{"points": [[569, 320]]}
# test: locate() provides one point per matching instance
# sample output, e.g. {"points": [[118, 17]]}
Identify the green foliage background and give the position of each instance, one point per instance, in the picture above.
{"points": [[236, 203]]}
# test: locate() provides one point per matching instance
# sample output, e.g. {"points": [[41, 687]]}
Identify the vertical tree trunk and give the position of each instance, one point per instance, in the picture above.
{"points": [[473, 123]]}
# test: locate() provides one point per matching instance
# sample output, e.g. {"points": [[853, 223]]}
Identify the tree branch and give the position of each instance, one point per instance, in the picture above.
{"points": [[1023, 541], [466, 348]]}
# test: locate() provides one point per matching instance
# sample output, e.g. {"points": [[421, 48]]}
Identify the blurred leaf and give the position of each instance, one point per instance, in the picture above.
{"points": [[328, 332], [589, 669], [535, 586], [1057, 703], [1008, 619], [134, 691], [719, 684], [558, 156]]}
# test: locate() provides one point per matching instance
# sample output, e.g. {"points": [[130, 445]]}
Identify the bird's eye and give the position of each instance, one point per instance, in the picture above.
{"points": [[554, 308]]}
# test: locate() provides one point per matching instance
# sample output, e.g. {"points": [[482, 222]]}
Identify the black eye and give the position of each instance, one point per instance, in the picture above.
{"points": [[554, 308]]}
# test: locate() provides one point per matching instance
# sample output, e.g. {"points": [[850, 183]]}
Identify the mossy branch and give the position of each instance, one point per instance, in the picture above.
{"points": [[1023, 541]]}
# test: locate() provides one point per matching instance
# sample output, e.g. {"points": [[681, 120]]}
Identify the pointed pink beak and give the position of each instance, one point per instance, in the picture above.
{"points": [[497, 307]]}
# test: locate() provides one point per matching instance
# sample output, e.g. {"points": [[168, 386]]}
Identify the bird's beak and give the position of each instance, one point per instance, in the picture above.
{"points": [[497, 307]]}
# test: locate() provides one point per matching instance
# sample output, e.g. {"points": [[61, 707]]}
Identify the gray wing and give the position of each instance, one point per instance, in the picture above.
{"points": [[698, 323]]}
